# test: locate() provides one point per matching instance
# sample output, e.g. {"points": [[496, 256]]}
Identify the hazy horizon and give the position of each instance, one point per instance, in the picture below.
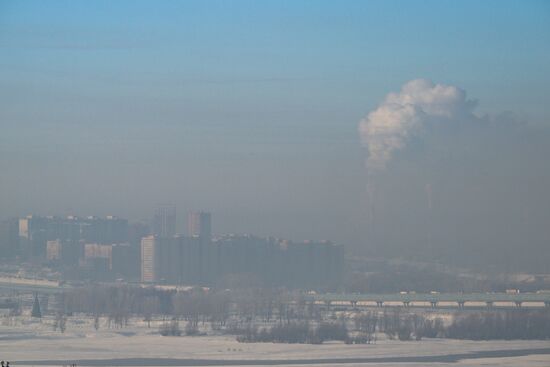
{"points": [[393, 128]]}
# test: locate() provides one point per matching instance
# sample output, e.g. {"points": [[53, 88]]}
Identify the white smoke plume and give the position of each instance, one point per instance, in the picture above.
{"points": [[403, 115]]}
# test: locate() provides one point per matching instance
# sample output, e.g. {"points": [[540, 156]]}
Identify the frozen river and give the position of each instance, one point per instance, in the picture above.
{"points": [[36, 343]]}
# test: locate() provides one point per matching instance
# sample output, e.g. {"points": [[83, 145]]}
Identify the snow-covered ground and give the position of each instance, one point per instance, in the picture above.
{"points": [[22, 339]]}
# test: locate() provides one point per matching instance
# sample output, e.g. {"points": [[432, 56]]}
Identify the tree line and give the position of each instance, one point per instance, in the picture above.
{"points": [[278, 315]]}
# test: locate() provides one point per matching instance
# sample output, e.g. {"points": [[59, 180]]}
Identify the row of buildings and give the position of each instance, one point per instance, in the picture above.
{"points": [[81, 247], [26, 238], [110, 248], [251, 259]]}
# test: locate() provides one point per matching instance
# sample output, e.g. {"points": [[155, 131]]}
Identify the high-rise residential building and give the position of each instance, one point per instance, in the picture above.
{"points": [[35, 231], [93, 251], [136, 231], [53, 250], [190, 261], [9, 238], [149, 259], [25, 227], [164, 221], [200, 225], [125, 260], [65, 252], [106, 230]]}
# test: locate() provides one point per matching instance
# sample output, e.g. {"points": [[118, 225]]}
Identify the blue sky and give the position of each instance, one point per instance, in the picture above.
{"points": [[212, 103], [496, 50]]}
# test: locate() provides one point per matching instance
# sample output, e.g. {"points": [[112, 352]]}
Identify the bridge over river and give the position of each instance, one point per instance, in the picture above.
{"points": [[353, 300], [449, 300], [25, 286]]}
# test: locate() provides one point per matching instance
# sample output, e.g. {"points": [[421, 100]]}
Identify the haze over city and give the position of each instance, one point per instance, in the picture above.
{"points": [[294, 153], [107, 111]]}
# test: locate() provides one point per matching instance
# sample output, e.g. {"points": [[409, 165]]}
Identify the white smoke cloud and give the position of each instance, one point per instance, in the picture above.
{"points": [[403, 115]]}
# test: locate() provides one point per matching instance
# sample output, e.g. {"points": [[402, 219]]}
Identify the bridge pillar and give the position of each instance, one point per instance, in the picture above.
{"points": [[433, 304], [518, 304], [406, 304], [327, 303], [547, 303], [489, 304], [379, 303], [461, 304], [353, 304]]}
